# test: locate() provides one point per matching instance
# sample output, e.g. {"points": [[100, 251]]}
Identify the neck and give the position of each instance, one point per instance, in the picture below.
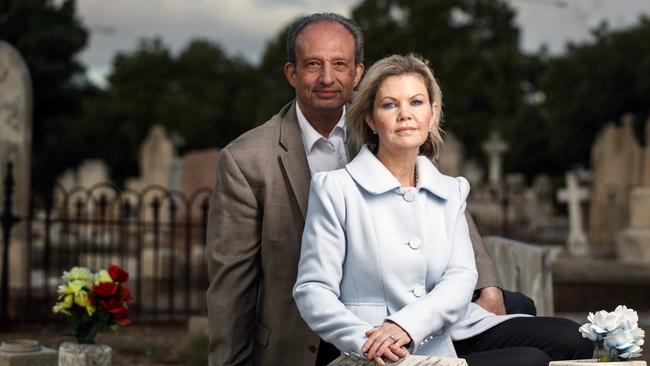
{"points": [[401, 165], [323, 121]]}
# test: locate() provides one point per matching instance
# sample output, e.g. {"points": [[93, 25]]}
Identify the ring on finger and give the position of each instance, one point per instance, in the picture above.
{"points": [[393, 337]]}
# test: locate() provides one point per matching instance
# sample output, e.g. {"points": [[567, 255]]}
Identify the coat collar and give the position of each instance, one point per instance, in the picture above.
{"points": [[375, 178], [293, 158]]}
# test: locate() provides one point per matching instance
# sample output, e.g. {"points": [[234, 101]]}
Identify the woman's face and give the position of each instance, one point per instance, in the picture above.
{"points": [[401, 114]]}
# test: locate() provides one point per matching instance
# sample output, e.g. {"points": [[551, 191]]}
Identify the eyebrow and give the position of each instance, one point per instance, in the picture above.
{"points": [[411, 97]]}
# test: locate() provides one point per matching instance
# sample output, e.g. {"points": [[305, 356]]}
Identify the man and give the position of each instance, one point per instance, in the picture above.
{"points": [[260, 200]]}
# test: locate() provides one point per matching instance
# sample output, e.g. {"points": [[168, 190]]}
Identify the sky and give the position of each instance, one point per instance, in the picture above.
{"points": [[243, 27]]}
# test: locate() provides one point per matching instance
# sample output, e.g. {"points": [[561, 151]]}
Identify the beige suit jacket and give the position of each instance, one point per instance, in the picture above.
{"points": [[255, 225]]}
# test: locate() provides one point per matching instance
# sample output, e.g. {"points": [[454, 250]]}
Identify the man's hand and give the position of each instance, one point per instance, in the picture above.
{"points": [[388, 341], [491, 299]]}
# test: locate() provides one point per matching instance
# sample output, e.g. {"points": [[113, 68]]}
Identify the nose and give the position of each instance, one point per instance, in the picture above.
{"points": [[326, 74], [404, 114]]}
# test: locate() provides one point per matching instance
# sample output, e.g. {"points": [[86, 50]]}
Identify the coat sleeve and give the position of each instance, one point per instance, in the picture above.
{"points": [[233, 248], [317, 289], [487, 274], [448, 299]]}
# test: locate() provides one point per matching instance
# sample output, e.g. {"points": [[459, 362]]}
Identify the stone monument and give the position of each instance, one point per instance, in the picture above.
{"points": [[616, 161], [495, 148], [15, 147], [450, 161], [573, 195]]}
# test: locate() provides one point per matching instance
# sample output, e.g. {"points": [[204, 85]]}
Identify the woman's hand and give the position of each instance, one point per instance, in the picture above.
{"points": [[389, 341]]}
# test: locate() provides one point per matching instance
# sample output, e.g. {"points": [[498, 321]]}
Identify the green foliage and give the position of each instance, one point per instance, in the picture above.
{"points": [[201, 95], [472, 46], [593, 84], [48, 34]]}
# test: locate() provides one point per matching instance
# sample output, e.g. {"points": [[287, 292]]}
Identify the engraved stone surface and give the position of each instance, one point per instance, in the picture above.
{"points": [[74, 354], [596, 363], [408, 361], [25, 352]]}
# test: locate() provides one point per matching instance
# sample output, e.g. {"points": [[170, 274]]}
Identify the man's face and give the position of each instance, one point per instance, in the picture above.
{"points": [[325, 73]]}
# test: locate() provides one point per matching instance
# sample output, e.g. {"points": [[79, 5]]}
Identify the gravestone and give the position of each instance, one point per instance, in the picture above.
{"points": [[646, 155], [474, 174], [412, 360], [573, 195], [198, 169], [495, 148], [23, 352], [156, 158], [616, 161], [15, 148], [633, 243], [525, 268], [450, 161]]}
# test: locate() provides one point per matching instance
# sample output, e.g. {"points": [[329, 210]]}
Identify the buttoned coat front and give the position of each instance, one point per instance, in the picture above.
{"points": [[374, 251]]}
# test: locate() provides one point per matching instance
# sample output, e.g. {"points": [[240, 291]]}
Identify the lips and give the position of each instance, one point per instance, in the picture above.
{"points": [[406, 129], [326, 93]]}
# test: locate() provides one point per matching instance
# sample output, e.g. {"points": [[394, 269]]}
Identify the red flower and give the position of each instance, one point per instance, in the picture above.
{"points": [[121, 315], [118, 274], [105, 289], [125, 294]]}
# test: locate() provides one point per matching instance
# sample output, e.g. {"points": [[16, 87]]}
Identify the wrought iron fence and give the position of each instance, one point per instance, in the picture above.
{"points": [[157, 235]]}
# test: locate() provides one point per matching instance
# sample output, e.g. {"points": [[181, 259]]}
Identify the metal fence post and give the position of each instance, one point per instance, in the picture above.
{"points": [[7, 219]]}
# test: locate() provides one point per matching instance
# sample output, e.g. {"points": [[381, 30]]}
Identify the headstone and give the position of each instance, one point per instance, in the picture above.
{"points": [[616, 161], [646, 155], [407, 361], [594, 362], [156, 157], [495, 148], [524, 268], [474, 174], [633, 243], [450, 161], [15, 147], [24, 352], [198, 169], [92, 172], [573, 195]]}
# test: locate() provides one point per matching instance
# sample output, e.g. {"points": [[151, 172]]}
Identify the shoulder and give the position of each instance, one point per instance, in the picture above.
{"points": [[338, 179], [260, 142]]}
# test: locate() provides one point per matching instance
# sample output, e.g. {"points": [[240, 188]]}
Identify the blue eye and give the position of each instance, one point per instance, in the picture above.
{"points": [[388, 105], [416, 102]]}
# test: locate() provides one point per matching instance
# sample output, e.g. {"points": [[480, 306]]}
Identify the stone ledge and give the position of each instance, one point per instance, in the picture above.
{"points": [[44, 357], [408, 361]]}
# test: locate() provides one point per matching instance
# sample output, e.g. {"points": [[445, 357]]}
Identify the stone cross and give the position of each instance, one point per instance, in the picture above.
{"points": [[573, 195], [495, 147]]}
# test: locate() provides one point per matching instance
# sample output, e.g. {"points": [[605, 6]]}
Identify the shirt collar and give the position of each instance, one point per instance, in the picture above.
{"points": [[375, 178], [310, 136]]}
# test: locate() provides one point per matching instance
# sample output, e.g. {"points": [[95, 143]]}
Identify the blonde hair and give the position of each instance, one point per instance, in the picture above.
{"points": [[363, 101]]}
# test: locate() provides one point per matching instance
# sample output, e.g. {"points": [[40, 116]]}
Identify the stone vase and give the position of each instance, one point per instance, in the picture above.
{"points": [[75, 354]]}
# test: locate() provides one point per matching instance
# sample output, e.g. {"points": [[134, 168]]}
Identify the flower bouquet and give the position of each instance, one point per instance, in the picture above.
{"points": [[94, 302], [616, 334]]}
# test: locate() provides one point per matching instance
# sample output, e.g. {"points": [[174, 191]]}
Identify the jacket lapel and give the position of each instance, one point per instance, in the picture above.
{"points": [[293, 158]]}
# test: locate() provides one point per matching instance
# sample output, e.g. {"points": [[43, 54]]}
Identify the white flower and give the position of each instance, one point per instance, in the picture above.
{"points": [[588, 332], [603, 322], [628, 317]]}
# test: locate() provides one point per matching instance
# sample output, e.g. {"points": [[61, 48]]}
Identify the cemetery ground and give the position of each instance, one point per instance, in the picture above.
{"points": [[136, 344]]}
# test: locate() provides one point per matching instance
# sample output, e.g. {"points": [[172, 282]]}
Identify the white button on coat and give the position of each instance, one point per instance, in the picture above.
{"points": [[415, 243], [418, 291], [409, 195]]}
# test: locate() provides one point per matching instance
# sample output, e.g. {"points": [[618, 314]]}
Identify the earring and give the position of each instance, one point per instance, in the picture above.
{"points": [[374, 132]]}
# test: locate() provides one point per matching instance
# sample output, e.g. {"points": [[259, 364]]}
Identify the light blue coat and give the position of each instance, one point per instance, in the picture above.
{"points": [[373, 251]]}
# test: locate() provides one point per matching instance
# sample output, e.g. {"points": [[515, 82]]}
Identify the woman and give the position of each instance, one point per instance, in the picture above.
{"points": [[386, 266]]}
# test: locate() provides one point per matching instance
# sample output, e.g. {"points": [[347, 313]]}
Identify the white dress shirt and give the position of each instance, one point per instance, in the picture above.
{"points": [[323, 153]]}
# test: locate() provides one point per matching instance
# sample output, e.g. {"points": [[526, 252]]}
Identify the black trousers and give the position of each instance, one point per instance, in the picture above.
{"points": [[526, 341], [515, 303]]}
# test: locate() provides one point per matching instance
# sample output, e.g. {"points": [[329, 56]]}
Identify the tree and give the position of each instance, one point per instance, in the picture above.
{"points": [[473, 49], [201, 95], [49, 35], [593, 84]]}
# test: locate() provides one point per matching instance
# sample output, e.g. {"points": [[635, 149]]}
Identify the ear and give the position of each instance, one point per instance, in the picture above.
{"points": [[435, 115], [369, 122], [358, 73], [290, 73]]}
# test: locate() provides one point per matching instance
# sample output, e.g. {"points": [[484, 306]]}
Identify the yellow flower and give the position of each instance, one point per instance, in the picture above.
{"points": [[78, 273], [103, 276], [81, 299], [63, 305]]}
